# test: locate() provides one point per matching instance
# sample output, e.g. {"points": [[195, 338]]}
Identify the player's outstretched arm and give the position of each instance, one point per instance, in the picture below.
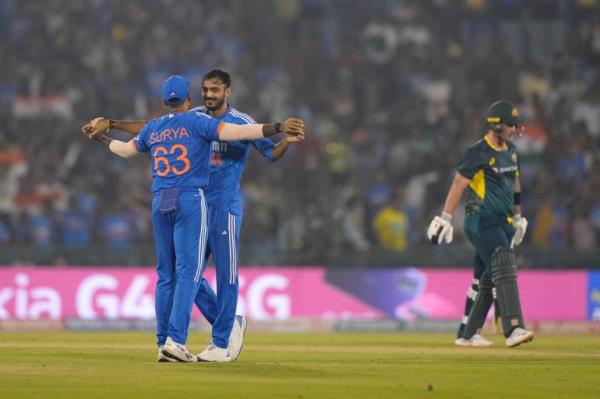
{"points": [[118, 147], [440, 229], [232, 132], [123, 149], [98, 126]]}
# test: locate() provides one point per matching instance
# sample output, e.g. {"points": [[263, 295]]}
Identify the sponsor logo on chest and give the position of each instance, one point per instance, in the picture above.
{"points": [[218, 146], [494, 164], [505, 169]]}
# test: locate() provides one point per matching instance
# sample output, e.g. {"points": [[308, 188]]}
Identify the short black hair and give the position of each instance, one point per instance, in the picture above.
{"points": [[219, 75], [175, 104]]}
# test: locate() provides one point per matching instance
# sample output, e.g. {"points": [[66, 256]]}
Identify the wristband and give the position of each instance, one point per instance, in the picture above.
{"points": [[270, 129], [111, 123], [277, 126]]}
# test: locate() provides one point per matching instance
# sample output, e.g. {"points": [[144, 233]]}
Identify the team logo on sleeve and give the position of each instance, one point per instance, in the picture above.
{"points": [[514, 157], [492, 161]]}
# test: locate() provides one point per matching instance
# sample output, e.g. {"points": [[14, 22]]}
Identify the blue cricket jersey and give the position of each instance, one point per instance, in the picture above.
{"points": [[227, 162], [179, 144]]}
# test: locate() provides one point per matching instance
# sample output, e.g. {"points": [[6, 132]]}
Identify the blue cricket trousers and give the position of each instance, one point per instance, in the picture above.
{"points": [[219, 310], [181, 237]]}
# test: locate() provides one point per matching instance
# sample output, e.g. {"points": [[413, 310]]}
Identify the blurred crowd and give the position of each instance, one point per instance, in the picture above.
{"points": [[393, 91]]}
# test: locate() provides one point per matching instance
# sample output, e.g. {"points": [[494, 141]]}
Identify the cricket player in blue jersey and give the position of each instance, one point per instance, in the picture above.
{"points": [[223, 197], [228, 160], [179, 143]]}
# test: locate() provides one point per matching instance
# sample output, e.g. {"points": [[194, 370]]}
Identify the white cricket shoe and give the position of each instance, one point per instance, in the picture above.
{"points": [[213, 353], [236, 338], [162, 358], [475, 341], [177, 352], [519, 336]]}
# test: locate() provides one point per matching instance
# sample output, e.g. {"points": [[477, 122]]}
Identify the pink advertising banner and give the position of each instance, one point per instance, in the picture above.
{"points": [[281, 293], [545, 295]]}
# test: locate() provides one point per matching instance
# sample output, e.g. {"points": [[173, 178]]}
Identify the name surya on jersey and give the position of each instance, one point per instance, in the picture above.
{"points": [[168, 135]]}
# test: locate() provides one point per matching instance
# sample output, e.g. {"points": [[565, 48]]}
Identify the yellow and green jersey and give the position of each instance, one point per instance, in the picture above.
{"points": [[492, 172]]}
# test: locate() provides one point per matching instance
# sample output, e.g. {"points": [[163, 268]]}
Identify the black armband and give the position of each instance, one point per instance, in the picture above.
{"points": [[104, 139], [269, 130], [517, 198]]}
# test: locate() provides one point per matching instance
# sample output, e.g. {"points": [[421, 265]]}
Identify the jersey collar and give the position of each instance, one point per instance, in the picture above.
{"points": [[224, 113], [494, 147]]}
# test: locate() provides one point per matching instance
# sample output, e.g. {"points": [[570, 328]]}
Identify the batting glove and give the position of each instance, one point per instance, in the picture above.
{"points": [[440, 229], [520, 225]]}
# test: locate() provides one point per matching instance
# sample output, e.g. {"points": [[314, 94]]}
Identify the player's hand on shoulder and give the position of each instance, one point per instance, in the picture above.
{"points": [[293, 127], [95, 128], [440, 229]]}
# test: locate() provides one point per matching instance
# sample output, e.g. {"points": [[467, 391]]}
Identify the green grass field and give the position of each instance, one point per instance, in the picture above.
{"points": [[339, 365]]}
